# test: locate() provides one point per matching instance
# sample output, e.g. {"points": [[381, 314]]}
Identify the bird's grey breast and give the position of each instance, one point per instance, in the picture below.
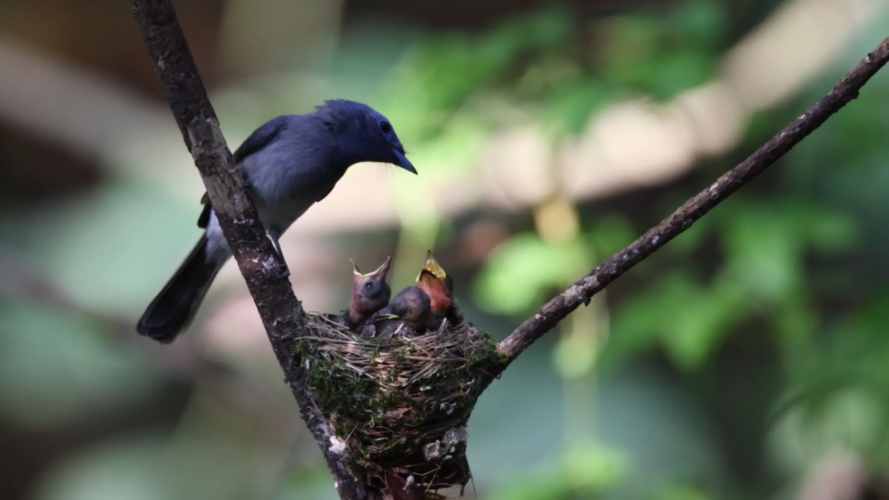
{"points": [[292, 172]]}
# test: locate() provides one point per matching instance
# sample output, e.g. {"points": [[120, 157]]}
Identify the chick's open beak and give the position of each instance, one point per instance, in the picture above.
{"points": [[380, 272], [383, 270], [432, 267], [437, 284]]}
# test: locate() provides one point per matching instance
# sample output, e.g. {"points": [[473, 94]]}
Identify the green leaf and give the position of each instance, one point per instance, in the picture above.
{"points": [[521, 271], [831, 232], [587, 471], [764, 253], [706, 318], [692, 238], [700, 23], [686, 318], [682, 492], [661, 57], [569, 106], [639, 323], [53, 361], [609, 234]]}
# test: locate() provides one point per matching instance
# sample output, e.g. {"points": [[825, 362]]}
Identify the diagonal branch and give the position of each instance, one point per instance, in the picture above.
{"points": [[263, 268], [583, 289]]}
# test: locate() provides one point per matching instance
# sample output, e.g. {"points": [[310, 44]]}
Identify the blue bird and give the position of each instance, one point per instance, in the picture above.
{"points": [[289, 163]]}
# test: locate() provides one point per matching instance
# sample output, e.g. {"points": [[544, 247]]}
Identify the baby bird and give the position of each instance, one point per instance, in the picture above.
{"points": [[437, 284], [370, 293], [410, 308], [421, 307], [439, 287]]}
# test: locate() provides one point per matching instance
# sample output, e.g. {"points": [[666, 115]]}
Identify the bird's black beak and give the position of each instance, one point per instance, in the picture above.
{"points": [[402, 161]]}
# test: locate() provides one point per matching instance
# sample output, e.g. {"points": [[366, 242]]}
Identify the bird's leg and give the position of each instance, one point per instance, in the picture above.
{"points": [[274, 236]]}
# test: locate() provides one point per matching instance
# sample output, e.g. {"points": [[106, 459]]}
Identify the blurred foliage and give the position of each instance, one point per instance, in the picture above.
{"points": [[42, 347], [543, 266], [762, 277], [765, 257], [547, 65], [660, 56], [588, 471]]}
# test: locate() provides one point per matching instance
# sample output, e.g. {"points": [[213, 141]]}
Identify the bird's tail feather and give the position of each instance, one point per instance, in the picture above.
{"points": [[176, 304]]}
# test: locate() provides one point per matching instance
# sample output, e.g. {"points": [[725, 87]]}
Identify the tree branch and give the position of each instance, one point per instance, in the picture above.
{"points": [[263, 268], [583, 289]]}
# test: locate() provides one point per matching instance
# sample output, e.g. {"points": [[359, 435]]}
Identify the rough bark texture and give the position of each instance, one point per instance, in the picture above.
{"points": [[583, 289], [263, 269], [266, 273]]}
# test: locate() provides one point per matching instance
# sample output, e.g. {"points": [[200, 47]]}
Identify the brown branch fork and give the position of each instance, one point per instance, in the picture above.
{"points": [[266, 273]]}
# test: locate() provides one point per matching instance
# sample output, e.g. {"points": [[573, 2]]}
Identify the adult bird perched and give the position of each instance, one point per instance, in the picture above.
{"points": [[289, 164], [370, 293]]}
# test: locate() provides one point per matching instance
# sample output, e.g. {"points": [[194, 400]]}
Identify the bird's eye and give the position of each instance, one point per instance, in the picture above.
{"points": [[386, 127], [368, 286]]}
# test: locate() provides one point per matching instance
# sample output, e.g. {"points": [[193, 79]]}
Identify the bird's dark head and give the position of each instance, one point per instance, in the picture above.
{"points": [[363, 134], [370, 291], [411, 305]]}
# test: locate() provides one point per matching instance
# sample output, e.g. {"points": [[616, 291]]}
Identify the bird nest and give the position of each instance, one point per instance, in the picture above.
{"points": [[400, 404]]}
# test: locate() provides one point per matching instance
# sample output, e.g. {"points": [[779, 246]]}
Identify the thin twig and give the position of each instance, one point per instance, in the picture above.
{"points": [[583, 289]]}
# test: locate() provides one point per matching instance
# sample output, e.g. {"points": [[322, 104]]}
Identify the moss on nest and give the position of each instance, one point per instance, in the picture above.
{"points": [[401, 403]]}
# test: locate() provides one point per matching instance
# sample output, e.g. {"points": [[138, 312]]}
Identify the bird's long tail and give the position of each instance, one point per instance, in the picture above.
{"points": [[175, 306]]}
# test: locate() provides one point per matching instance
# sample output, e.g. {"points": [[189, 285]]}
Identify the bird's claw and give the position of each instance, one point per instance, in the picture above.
{"points": [[273, 239]]}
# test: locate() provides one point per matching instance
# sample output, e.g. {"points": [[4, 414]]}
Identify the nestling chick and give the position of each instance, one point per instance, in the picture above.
{"points": [[412, 306], [421, 307], [370, 293], [437, 284], [439, 287], [409, 307]]}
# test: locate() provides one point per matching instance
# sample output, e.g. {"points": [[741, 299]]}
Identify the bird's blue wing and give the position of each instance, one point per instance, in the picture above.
{"points": [[260, 137], [254, 142]]}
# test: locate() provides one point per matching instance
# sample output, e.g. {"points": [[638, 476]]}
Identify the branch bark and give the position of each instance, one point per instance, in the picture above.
{"points": [[583, 289], [262, 267]]}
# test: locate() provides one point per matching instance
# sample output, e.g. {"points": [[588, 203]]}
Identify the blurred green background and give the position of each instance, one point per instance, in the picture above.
{"points": [[748, 359]]}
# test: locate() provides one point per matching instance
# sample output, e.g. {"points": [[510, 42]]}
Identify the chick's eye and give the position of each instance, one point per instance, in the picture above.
{"points": [[368, 286], [386, 127]]}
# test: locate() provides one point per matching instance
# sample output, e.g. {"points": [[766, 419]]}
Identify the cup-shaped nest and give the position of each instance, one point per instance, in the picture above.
{"points": [[399, 404]]}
